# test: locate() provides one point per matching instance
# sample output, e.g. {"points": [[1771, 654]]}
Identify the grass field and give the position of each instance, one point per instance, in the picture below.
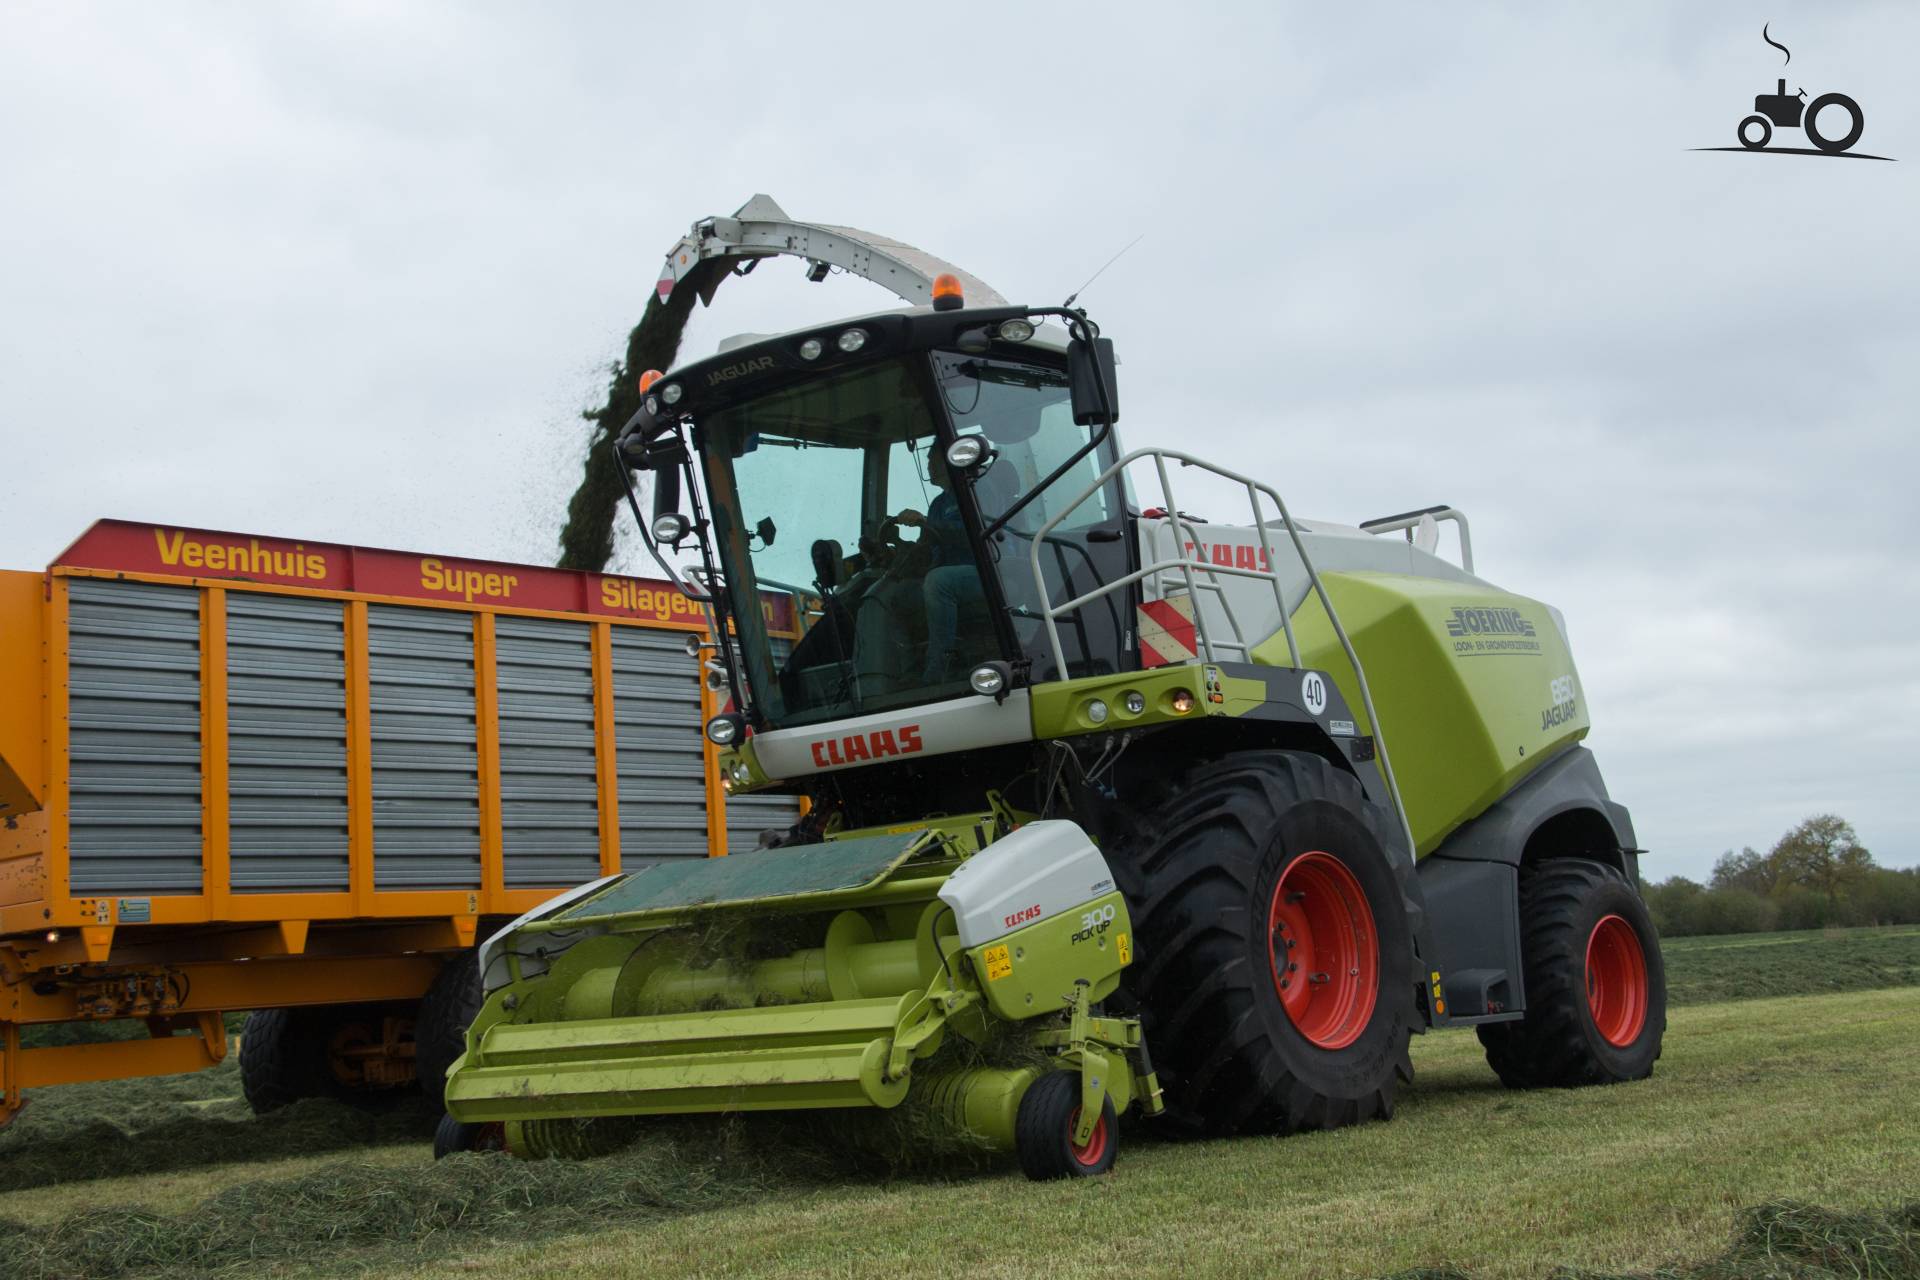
{"points": [[1808, 1097], [1752, 965]]}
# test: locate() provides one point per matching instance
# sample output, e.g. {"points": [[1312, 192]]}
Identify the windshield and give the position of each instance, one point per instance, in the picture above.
{"points": [[1024, 409], [839, 488]]}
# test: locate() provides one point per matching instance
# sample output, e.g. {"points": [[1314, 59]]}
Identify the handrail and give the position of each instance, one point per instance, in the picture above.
{"points": [[1410, 520], [1050, 613]]}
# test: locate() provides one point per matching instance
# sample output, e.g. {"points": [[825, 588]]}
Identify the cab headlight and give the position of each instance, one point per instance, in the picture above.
{"points": [[988, 680], [965, 453]]}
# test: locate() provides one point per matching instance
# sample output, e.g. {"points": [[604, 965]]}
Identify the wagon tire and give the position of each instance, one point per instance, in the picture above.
{"points": [[446, 1011], [282, 1059]]}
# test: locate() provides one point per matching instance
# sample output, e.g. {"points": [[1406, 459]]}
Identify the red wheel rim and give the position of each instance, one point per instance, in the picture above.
{"points": [[1088, 1156], [1324, 950], [1616, 981]]}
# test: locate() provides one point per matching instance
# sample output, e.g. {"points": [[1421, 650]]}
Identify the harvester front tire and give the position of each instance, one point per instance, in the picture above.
{"points": [[446, 1011], [282, 1059], [1246, 844], [1043, 1131], [1595, 985]]}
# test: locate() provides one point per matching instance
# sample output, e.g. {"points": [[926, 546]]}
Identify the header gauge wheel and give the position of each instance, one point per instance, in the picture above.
{"points": [[454, 1136], [1043, 1131]]}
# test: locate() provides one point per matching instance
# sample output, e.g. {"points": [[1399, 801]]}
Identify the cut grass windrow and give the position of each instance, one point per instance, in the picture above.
{"points": [[1805, 1099], [1761, 965]]}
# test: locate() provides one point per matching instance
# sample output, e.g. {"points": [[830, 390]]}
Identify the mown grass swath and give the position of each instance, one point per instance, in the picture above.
{"points": [[1749, 966], [1780, 1105]]}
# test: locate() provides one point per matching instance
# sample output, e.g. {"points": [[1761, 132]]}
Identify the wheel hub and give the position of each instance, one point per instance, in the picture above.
{"points": [[1096, 1147], [1324, 950], [1616, 981]]}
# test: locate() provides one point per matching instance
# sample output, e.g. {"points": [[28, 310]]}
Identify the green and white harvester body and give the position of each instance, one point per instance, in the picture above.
{"points": [[1086, 773]]}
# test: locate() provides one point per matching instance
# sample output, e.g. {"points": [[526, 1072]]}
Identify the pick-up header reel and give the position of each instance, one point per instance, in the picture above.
{"points": [[619, 1003]]}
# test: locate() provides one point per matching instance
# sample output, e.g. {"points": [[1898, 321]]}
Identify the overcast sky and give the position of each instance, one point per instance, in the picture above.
{"points": [[352, 271]]}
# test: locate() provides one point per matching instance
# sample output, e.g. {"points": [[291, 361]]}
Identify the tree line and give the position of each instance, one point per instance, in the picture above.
{"points": [[1816, 875]]}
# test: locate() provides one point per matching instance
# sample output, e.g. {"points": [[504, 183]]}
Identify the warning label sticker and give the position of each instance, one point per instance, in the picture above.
{"points": [[999, 963]]}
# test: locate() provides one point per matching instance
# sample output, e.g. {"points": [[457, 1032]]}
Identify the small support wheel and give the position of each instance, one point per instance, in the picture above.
{"points": [[1043, 1131], [1755, 141], [456, 1135]]}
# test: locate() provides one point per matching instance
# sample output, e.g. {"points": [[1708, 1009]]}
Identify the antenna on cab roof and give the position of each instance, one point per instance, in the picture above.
{"points": [[1102, 271]]}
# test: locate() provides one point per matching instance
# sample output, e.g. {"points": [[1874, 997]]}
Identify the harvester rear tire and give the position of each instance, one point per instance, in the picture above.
{"points": [[1204, 884], [1596, 988], [1043, 1131], [283, 1059], [446, 1011]]}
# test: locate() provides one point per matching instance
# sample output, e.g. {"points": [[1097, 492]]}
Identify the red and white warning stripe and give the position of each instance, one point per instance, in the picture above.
{"points": [[1167, 632]]}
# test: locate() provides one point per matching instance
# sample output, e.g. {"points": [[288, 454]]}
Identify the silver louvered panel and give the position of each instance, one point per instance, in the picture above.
{"points": [[749, 816], [133, 661], [426, 759], [287, 742], [549, 792], [660, 764]]}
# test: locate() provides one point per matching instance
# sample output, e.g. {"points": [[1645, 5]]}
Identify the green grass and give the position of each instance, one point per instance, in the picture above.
{"points": [[1760, 1109], [1756, 965], [173, 1124], [1808, 1098]]}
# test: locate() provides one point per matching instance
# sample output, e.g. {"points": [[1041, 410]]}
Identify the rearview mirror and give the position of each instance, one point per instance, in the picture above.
{"points": [[666, 492], [1090, 372], [826, 563]]}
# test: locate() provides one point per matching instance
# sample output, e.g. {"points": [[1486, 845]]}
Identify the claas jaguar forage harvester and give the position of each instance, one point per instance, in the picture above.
{"points": [[1087, 773]]}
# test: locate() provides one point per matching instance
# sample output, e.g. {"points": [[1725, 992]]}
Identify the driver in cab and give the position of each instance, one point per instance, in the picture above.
{"points": [[951, 588]]}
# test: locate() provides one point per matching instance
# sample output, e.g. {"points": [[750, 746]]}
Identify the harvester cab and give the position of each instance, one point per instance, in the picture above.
{"points": [[1082, 771]]}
